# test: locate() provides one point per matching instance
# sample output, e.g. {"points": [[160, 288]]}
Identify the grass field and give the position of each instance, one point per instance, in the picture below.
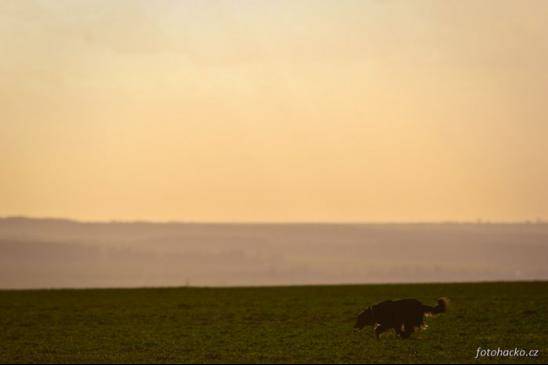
{"points": [[279, 324]]}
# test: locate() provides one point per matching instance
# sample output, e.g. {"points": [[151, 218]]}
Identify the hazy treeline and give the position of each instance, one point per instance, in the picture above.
{"points": [[43, 253]]}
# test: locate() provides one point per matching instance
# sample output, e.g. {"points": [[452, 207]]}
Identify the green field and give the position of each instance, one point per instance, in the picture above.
{"points": [[278, 324]]}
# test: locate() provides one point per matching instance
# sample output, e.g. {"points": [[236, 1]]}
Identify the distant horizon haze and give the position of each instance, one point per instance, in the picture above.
{"points": [[537, 220], [64, 253]]}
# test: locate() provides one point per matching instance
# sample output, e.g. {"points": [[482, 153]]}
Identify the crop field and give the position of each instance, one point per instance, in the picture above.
{"points": [[308, 324]]}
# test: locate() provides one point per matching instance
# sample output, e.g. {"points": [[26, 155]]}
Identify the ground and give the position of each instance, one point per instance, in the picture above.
{"points": [[310, 324]]}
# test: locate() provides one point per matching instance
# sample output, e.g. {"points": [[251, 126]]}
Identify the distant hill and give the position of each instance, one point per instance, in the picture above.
{"points": [[43, 253]]}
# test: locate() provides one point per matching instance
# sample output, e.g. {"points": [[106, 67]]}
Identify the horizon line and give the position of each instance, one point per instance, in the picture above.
{"points": [[479, 221]]}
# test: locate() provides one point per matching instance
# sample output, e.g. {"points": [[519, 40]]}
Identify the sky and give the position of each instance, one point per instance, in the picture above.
{"points": [[285, 111]]}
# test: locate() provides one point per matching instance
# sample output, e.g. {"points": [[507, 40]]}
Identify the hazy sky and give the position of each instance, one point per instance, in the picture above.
{"points": [[274, 110]]}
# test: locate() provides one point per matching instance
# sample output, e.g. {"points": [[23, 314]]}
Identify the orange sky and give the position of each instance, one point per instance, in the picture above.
{"points": [[274, 111]]}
